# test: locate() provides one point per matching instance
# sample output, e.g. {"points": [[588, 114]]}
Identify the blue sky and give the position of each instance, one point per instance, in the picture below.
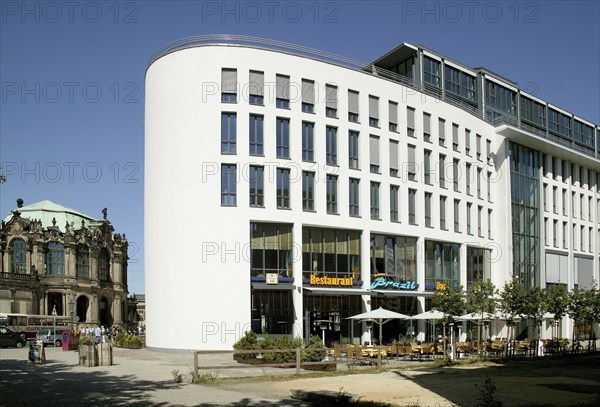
{"points": [[72, 76]]}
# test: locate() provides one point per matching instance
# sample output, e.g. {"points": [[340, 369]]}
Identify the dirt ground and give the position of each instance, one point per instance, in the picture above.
{"points": [[567, 382]]}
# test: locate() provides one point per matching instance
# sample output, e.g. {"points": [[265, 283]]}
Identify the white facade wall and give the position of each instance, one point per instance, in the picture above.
{"points": [[197, 252]]}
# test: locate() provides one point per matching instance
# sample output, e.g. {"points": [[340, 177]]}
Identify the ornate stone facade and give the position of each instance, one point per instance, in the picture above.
{"points": [[82, 264]]}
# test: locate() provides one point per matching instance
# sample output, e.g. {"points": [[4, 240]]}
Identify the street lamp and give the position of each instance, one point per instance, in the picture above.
{"points": [[71, 307]]}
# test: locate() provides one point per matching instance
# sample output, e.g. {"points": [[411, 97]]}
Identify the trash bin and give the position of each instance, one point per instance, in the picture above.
{"points": [[36, 352]]}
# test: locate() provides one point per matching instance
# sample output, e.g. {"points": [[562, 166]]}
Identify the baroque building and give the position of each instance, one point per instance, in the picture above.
{"points": [[51, 256]]}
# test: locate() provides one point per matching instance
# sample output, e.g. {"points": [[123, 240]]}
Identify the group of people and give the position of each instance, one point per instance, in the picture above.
{"points": [[100, 333]]}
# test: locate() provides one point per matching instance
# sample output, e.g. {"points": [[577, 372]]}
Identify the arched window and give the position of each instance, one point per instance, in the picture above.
{"points": [[82, 265], [103, 265], [18, 255], [55, 259]]}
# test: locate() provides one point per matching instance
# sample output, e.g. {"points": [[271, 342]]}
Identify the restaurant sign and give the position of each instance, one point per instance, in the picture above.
{"points": [[331, 281], [272, 278], [381, 282]]}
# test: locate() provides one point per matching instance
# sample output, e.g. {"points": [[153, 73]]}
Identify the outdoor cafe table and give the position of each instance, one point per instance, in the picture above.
{"points": [[371, 351]]}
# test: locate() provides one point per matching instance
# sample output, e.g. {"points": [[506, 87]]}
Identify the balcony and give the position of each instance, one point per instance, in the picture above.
{"points": [[19, 277]]}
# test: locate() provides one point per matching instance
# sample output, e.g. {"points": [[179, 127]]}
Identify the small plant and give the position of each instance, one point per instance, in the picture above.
{"points": [[177, 377], [314, 356], [86, 340], [203, 378], [487, 394], [246, 342]]}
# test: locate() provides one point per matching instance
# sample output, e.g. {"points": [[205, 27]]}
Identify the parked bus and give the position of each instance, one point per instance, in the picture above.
{"points": [[28, 325]]}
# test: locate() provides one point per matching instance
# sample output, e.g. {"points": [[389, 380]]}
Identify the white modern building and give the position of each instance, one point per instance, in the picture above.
{"points": [[288, 189]]}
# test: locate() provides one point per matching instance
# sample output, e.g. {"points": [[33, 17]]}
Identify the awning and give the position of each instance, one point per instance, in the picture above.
{"points": [[338, 291], [278, 287]]}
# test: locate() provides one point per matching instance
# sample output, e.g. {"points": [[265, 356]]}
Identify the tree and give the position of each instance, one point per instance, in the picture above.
{"points": [[556, 298], [450, 302], [534, 308], [579, 308], [512, 303], [481, 299]]}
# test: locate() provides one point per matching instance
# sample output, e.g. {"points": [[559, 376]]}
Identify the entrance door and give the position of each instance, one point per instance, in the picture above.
{"points": [[54, 300], [105, 314], [82, 308]]}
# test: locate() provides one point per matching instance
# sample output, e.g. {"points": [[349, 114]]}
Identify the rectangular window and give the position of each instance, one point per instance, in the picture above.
{"points": [[533, 112], [468, 142], [283, 188], [228, 185], [412, 206], [308, 141], [478, 146], [374, 154], [564, 202], [228, 132], [393, 158], [282, 91], [374, 200], [427, 127], [442, 164], [591, 233], [488, 181], [332, 201], [443, 212], [479, 220], [457, 216], [308, 96], [488, 151], [573, 205], [428, 209], [256, 181], [427, 166], [489, 224], [411, 164], [559, 123], [308, 191], [373, 111], [393, 116], [455, 174], [479, 183], [282, 134], [229, 85], [442, 132], [469, 209], [455, 145], [394, 203], [353, 106], [256, 135], [354, 198], [353, 150], [546, 230], [410, 122], [564, 235], [331, 145], [432, 72], [459, 83], [468, 172], [331, 100], [256, 88], [555, 233]]}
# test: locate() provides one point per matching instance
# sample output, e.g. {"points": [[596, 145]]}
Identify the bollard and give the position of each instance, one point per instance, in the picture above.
{"points": [[297, 360]]}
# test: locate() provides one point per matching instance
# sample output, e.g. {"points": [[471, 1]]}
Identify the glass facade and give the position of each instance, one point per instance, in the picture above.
{"points": [[479, 265], [272, 312], [394, 257], [55, 259], [525, 207], [331, 252], [442, 264], [271, 249], [82, 262], [18, 257]]}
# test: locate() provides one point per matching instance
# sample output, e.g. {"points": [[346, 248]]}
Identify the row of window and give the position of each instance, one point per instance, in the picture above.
{"points": [[256, 92], [578, 205], [552, 167], [582, 236], [55, 260], [256, 147], [256, 199]]}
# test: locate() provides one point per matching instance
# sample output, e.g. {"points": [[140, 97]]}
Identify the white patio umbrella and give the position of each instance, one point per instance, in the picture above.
{"points": [[429, 316], [476, 316], [380, 316]]}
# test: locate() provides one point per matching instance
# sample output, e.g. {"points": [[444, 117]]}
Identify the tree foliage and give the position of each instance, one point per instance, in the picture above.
{"points": [[481, 296], [449, 301]]}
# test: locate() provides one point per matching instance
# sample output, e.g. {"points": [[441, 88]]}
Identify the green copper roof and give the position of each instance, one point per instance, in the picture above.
{"points": [[48, 210]]}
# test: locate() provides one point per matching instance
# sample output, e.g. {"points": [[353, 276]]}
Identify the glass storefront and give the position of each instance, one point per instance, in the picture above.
{"points": [[271, 249], [272, 312], [330, 253], [479, 265], [393, 257], [442, 264], [328, 315]]}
